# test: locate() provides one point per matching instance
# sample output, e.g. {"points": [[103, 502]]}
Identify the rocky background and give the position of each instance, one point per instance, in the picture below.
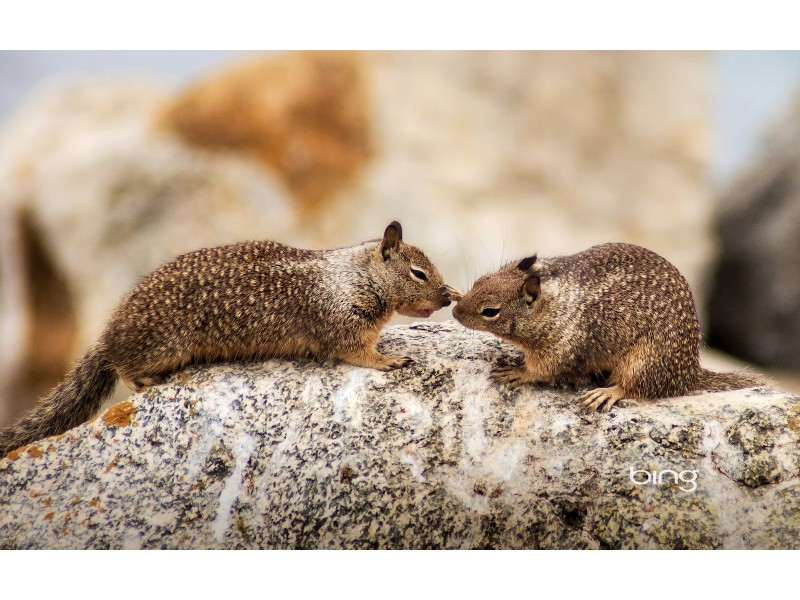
{"points": [[483, 157], [298, 454]]}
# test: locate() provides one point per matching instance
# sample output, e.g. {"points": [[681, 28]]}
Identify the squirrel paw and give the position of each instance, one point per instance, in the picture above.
{"points": [[375, 360], [513, 376], [601, 399], [141, 383], [450, 293], [396, 362]]}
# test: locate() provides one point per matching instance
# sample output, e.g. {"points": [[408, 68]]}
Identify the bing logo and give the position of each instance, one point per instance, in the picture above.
{"points": [[685, 480]]}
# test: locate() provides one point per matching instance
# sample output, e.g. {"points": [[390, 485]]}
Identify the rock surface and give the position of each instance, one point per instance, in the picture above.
{"points": [[285, 454], [754, 308]]}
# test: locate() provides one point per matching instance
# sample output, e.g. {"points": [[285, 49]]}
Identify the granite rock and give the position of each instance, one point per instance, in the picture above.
{"points": [[299, 454]]}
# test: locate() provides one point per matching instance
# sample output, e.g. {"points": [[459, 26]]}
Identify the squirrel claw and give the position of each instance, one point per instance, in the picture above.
{"points": [[513, 376], [397, 362], [601, 399], [139, 384], [450, 293]]}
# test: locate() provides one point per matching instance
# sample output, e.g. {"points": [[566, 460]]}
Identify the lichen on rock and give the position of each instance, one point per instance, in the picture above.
{"points": [[306, 454]]}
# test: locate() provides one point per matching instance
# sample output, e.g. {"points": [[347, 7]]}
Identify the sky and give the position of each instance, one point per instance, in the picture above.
{"points": [[751, 89]]}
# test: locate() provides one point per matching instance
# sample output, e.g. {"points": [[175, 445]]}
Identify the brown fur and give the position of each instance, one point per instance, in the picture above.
{"points": [[614, 310], [249, 300]]}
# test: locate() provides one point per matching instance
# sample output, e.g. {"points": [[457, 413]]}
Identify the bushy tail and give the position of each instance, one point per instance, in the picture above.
{"points": [[71, 403], [712, 381]]}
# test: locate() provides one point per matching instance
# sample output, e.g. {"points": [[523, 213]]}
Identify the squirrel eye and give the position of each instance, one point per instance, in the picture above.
{"points": [[417, 274], [490, 312]]}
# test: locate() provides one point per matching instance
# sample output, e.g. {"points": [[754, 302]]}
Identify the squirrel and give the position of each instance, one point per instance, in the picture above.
{"points": [[616, 310], [242, 301]]}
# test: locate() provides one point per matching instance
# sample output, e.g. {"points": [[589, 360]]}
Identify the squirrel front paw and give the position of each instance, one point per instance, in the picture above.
{"points": [[396, 362], [513, 376], [450, 293]]}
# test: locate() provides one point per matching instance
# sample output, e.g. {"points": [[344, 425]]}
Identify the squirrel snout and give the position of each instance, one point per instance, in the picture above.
{"points": [[458, 312]]}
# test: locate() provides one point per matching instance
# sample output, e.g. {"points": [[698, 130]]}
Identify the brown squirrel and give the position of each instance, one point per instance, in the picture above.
{"points": [[242, 301], [615, 310]]}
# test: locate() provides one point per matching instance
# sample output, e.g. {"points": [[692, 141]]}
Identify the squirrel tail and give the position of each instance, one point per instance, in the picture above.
{"points": [[720, 382], [72, 402]]}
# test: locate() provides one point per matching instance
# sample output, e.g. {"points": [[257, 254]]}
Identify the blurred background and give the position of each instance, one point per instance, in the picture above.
{"points": [[113, 162]]}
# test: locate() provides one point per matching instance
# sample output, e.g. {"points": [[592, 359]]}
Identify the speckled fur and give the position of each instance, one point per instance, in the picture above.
{"points": [[615, 310], [243, 301]]}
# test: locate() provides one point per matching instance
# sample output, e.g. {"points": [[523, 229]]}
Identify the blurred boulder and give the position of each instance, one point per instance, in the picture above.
{"points": [[305, 115], [491, 156], [754, 308], [483, 156]]}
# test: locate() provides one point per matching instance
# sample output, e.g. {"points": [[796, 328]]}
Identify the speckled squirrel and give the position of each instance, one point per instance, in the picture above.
{"points": [[242, 301], [614, 310]]}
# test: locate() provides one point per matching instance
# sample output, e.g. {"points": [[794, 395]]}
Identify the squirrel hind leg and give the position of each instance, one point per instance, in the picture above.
{"points": [[138, 384], [372, 359], [602, 399], [512, 375], [648, 371], [148, 373]]}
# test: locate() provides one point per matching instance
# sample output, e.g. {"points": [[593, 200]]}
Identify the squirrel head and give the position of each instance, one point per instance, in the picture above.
{"points": [[500, 302], [411, 279]]}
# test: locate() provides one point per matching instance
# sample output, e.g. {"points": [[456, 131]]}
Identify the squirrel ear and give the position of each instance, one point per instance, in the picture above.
{"points": [[391, 238], [526, 263], [530, 289]]}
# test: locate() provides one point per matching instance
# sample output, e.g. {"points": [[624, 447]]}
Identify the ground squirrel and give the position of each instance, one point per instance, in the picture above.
{"points": [[614, 311], [249, 300]]}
